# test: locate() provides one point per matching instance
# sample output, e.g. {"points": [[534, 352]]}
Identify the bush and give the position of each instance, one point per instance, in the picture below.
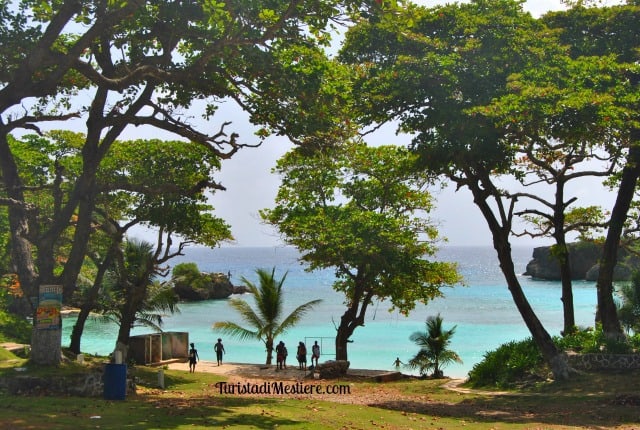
{"points": [[589, 341], [13, 328], [186, 270], [507, 365]]}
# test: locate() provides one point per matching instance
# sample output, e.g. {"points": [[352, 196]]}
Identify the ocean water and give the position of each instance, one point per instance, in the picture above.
{"points": [[482, 310]]}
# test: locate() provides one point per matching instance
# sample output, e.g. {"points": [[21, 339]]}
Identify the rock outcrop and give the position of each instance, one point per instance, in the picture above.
{"points": [[332, 369], [208, 286], [583, 257]]}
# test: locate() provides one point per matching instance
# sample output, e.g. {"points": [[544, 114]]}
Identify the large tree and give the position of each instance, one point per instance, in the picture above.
{"points": [[361, 211], [427, 68], [144, 63], [604, 31], [565, 117], [163, 184]]}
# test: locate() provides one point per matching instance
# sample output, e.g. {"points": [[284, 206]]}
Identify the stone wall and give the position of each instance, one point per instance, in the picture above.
{"points": [[89, 384], [604, 361]]}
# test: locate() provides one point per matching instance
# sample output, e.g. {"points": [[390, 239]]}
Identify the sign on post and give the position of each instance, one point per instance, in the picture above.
{"points": [[49, 306]]}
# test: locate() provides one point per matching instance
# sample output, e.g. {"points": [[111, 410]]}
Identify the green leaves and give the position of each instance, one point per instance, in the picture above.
{"points": [[266, 320], [362, 211]]}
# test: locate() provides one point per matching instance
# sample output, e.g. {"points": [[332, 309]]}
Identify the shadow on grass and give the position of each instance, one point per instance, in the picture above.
{"points": [[595, 400]]}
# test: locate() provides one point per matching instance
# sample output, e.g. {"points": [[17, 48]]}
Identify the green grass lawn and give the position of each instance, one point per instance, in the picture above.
{"points": [[193, 401]]}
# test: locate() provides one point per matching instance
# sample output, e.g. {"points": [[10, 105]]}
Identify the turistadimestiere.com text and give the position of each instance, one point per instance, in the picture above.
{"points": [[281, 388]]}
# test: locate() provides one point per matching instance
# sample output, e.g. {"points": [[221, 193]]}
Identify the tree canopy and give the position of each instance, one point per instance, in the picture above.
{"points": [[362, 211], [146, 63]]}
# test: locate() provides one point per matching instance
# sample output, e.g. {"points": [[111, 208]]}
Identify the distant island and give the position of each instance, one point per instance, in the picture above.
{"points": [[583, 257]]}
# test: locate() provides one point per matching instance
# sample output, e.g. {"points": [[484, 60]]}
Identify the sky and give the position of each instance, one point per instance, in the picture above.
{"points": [[251, 186]]}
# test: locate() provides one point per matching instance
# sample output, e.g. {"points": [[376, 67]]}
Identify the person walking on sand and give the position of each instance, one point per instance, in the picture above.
{"points": [[219, 349], [193, 358], [315, 353]]}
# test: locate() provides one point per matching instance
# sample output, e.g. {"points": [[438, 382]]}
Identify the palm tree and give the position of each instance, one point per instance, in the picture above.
{"points": [[434, 348], [133, 296], [265, 322]]}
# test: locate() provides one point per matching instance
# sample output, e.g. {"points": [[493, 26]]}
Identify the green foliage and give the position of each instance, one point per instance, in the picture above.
{"points": [[13, 328], [509, 363], [131, 295], [187, 270], [266, 321], [357, 208], [589, 341], [434, 351], [629, 308], [512, 362]]}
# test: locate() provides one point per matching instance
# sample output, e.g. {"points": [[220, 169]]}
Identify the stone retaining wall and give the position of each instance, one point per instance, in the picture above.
{"points": [[82, 385], [604, 361]]}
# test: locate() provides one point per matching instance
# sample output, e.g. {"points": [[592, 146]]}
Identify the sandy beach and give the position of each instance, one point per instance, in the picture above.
{"points": [[261, 371]]}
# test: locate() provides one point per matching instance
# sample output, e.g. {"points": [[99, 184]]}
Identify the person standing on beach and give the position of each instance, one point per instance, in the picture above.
{"points": [[193, 358], [315, 353], [301, 355], [284, 355], [279, 355], [219, 349]]}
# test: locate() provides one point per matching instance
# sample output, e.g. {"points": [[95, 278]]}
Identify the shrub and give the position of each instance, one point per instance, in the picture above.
{"points": [[13, 328], [589, 341], [507, 365], [187, 270]]}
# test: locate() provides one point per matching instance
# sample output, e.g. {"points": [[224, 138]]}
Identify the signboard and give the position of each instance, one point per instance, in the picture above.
{"points": [[49, 306]]}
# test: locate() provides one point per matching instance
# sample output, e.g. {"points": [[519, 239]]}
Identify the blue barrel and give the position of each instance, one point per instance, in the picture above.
{"points": [[115, 381]]}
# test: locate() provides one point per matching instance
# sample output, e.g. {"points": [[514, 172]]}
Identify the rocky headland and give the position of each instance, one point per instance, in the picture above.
{"points": [[583, 257], [205, 286]]}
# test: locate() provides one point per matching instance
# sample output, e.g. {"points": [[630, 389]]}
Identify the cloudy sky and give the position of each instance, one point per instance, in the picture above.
{"points": [[251, 186]]}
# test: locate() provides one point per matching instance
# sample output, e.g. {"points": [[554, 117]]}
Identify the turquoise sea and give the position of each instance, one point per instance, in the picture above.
{"points": [[482, 310]]}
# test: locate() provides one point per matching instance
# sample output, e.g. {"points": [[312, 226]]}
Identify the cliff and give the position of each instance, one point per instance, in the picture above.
{"points": [[583, 257]]}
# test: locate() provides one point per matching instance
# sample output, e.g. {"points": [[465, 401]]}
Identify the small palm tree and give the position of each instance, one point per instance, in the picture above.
{"points": [[131, 294], [434, 351], [266, 321]]}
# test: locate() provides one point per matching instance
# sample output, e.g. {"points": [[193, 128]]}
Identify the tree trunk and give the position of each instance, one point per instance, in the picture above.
{"points": [[269, 345], [567, 288], [555, 358], [91, 296], [46, 347], [607, 313], [352, 318], [78, 328], [21, 247], [482, 188]]}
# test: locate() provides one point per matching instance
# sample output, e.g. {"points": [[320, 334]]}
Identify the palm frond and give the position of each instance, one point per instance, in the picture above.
{"points": [[295, 316], [234, 330]]}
